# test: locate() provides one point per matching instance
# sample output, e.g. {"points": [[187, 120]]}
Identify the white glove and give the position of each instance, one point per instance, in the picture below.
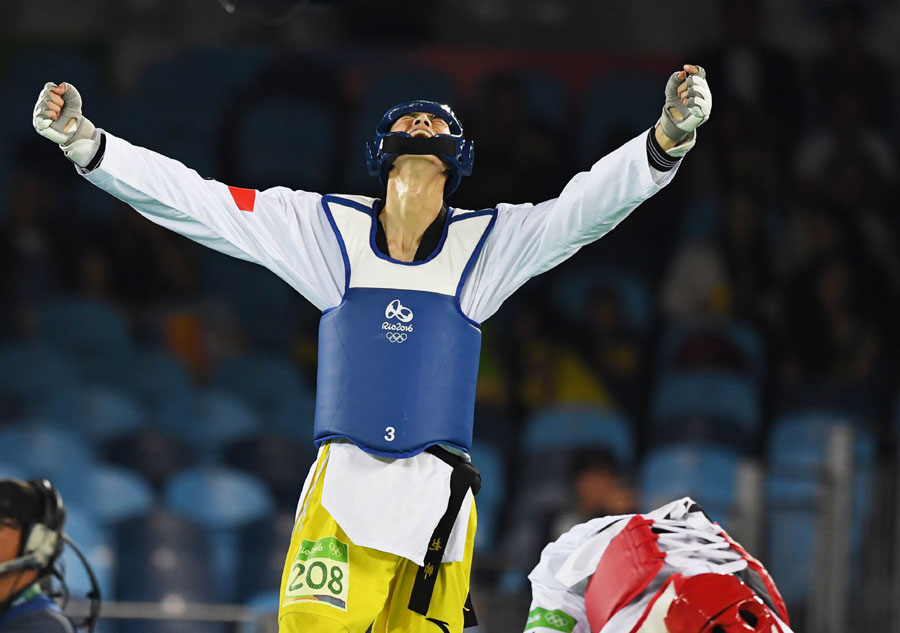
{"points": [[70, 129], [679, 119]]}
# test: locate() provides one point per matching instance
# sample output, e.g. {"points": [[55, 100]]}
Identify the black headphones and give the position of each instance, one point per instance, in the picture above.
{"points": [[42, 538]]}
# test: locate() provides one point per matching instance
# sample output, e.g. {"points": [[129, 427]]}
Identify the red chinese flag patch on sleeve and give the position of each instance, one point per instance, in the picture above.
{"points": [[243, 198]]}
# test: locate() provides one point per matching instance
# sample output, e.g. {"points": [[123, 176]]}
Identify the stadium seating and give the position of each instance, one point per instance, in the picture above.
{"points": [[263, 545], [712, 345], [796, 482], [99, 413], [84, 326], [560, 430], [207, 420], [109, 494], [29, 373], [715, 407], [705, 472], [573, 291], [545, 95], [608, 122], [43, 449], [155, 455], [222, 500], [98, 545], [262, 379], [281, 462], [165, 558], [491, 498]]}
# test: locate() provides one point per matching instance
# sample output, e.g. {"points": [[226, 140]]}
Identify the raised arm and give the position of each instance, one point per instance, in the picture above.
{"points": [[529, 239], [281, 229]]}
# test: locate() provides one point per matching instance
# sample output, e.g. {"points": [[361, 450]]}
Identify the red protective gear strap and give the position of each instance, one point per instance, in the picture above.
{"points": [[755, 565], [630, 562]]}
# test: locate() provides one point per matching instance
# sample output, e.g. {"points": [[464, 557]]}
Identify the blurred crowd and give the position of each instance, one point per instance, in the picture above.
{"points": [[772, 260]]}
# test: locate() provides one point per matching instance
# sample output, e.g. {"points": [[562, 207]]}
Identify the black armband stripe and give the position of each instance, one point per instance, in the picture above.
{"points": [[657, 156], [99, 155]]}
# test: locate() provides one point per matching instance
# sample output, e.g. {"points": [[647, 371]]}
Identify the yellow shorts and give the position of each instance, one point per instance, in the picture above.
{"points": [[330, 585]]}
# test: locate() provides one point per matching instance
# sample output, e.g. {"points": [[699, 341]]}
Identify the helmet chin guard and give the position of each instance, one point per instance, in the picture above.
{"points": [[456, 152]]}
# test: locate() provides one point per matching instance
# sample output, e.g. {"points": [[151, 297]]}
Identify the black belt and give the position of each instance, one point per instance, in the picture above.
{"points": [[464, 477]]}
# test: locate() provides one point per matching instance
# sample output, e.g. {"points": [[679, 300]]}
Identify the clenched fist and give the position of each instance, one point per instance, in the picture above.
{"points": [[688, 103], [57, 116]]}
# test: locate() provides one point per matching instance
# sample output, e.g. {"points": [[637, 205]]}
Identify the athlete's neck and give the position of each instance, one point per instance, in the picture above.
{"points": [[415, 194]]}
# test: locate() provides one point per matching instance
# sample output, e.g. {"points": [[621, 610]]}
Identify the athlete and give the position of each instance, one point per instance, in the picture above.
{"points": [[671, 570], [386, 518], [31, 520]]}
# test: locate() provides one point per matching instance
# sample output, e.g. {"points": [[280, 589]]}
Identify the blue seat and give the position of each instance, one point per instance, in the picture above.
{"points": [[300, 156], [741, 337], [617, 106], [573, 291], [42, 449], [186, 134], [31, 373], [12, 471], [706, 406], [705, 472], [155, 455], [293, 415], [155, 377], [261, 379], [109, 493], [165, 558], [222, 500], [99, 413], [97, 544], [208, 420], [281, 462], [266, 306], [263, 547], [491, 497], [797, 455], [84, 326], [573, 427]]}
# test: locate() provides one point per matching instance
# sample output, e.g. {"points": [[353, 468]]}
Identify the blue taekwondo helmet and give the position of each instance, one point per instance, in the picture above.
{"points": [[453, 148]]}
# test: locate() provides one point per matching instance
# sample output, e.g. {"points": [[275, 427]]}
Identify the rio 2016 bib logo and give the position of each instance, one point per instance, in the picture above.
{"points": [[320, 573], [397, 332]]}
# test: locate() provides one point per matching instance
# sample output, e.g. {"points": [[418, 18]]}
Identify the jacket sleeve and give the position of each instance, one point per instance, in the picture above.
{"points": [[528, 239], [284, 230]]}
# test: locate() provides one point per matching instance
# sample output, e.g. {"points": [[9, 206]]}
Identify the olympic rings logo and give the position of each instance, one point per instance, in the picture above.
{"points": [[555, 620], [396, 310], [395, 337]]}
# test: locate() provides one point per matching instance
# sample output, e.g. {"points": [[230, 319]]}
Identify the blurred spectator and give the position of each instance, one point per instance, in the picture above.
{"points": [[550, 370], [730, 272], [598, 489], [832, 352]]}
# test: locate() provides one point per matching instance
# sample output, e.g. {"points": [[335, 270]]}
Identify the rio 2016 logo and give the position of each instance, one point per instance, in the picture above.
{"points": [[397, 332]]}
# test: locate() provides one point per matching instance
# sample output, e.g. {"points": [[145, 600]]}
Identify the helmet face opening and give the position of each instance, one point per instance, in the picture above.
{"points": [[457, 153]]}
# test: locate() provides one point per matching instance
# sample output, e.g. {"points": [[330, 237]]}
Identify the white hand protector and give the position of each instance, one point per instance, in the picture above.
{"points": [[678, 119], [72, 131]]}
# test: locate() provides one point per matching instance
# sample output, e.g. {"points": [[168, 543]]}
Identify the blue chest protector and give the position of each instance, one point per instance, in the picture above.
{"points": [[398, 365]]}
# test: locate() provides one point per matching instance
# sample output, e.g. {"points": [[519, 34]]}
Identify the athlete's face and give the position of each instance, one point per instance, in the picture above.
{"points": [[421, 124], [13, 581]]}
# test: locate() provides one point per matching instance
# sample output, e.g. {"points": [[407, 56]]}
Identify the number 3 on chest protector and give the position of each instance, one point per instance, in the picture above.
{"points": [[389, 433]]}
